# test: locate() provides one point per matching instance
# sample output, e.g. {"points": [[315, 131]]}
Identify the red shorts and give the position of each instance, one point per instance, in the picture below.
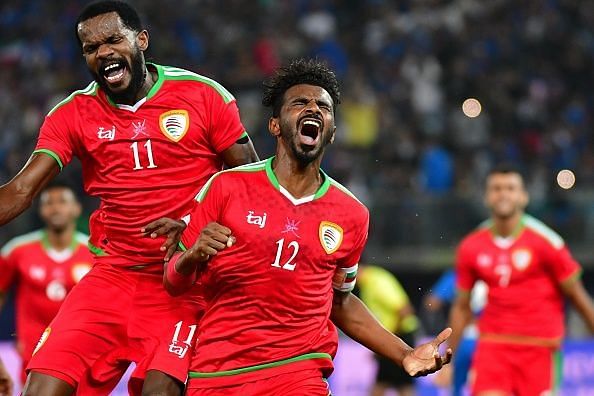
{"points": [[298, 383], [115, 316], [521, 370]]}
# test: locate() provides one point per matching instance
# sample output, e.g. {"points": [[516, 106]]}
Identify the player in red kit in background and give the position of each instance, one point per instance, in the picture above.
{"points": [[278, 259], [43, 266], [148, 137], [530, 272]]}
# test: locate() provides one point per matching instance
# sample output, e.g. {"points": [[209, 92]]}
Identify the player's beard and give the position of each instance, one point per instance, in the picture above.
{"points": [[302, 153], [137, 72]]}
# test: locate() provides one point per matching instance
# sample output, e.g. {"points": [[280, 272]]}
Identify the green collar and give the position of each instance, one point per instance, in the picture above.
{"points": [[516, 232], [46, 245], [272, 177]]}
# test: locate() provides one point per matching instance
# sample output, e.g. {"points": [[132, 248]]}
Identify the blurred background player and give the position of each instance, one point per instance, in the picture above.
{"points": [[43, 266], [381, 292], [529, 272], [436, 305]]}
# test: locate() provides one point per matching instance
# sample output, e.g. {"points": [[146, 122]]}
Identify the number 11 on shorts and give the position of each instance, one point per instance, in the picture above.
{"points": [[180, 348]]}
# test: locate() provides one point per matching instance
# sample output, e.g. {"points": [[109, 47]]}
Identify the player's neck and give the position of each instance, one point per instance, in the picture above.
{"points": [[508, 226], [60, 240], [149, 80], [299, 181]]}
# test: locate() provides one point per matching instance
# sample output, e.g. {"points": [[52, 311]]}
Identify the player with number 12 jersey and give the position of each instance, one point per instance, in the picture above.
{"points": [[289, 255]]}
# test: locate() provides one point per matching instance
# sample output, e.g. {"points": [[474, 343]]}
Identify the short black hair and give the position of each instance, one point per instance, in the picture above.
{"points": [[506, 168], [299, 71], [125, 11], [58, 184]]}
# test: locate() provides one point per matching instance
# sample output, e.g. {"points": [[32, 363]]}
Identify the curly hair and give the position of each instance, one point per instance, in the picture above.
{"points": [[299, 71]]}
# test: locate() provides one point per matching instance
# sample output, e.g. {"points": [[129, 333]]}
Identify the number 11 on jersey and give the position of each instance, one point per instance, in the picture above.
{"points": [[149, 153]]}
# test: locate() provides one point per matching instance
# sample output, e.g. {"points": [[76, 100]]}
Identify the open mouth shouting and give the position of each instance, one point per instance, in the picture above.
{"points": [[114, 72], [309, 129]]}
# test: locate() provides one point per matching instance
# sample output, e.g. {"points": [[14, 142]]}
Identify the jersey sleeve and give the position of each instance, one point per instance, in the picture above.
{"points": [[226, 127], [8, 271], [561, 263], [55, 139], [345, 275], [207, 208], [465, 273]]}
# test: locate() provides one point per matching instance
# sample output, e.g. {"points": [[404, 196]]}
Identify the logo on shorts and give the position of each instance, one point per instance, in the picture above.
{"points": [[330, 236], [174, 124], [42, 340], [180, 348]]}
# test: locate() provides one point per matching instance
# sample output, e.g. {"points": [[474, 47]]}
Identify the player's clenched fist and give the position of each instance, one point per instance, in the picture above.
{"points": [[182, 270], [213, 238]]}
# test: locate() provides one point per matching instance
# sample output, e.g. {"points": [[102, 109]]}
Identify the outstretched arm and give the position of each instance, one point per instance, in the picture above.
{"points": [[354, 319], [17, 195]]}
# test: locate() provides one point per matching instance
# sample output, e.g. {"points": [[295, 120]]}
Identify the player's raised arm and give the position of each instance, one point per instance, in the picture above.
{"points": [[354, 319], [17, 195]]}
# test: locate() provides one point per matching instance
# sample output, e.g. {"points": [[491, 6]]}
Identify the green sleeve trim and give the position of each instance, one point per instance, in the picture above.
{"points": [[307, 356], [244, 134], [51, 154], [96, 250], [181, 246]]}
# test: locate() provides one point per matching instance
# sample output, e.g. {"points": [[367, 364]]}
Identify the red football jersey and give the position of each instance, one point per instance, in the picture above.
{"points": [[43, 278], [145, 161], [269, 296], [523, 275]]}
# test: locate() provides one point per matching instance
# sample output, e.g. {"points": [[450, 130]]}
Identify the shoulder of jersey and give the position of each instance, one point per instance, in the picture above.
{"points": [[345, 192], [238, 170], [543, 231], [89, 91], [178, 74], [481, 231], [21, 241], [81, 239]]}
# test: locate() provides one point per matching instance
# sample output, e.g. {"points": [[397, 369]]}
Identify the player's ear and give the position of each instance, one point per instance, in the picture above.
{"points": [[142, 39], [333, 135], [77, 210], [274, 126]]}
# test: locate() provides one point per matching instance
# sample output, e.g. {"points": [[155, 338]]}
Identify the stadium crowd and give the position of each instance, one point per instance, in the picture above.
{"points": [[406, 68]]}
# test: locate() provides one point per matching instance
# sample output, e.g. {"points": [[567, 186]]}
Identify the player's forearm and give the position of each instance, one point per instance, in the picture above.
{"points": [[354, 319], [582, 302], [179, 275], [14, 199], [460, 317], [17, 195]]}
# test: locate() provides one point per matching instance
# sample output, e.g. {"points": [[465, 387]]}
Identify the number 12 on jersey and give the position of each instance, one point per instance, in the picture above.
{"points": [[289, 266], [149, 153]]}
